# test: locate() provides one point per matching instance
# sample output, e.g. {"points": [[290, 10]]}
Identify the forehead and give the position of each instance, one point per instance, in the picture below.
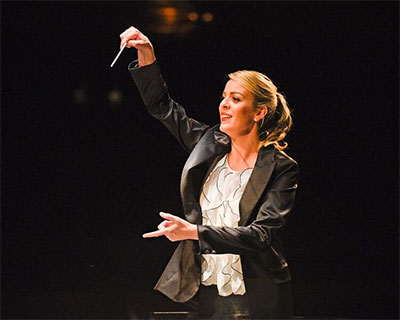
{"points": [[233, 86]]}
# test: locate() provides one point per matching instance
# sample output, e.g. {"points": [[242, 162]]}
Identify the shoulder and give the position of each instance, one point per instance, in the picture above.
{"points": [[272, 154], [283, 158], [286, 167]]}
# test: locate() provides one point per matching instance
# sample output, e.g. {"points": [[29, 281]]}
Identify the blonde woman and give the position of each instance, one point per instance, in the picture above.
{"points": [[237, 189]]}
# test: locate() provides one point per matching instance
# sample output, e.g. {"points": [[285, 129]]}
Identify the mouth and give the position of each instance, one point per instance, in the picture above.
{"points": [[225, 117]]}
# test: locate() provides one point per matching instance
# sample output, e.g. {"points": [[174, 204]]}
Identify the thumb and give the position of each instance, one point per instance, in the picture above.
{"points": [[135, 43]]}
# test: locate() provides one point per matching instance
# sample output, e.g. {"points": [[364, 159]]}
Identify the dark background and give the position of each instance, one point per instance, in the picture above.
{"points": [[83, 177]]}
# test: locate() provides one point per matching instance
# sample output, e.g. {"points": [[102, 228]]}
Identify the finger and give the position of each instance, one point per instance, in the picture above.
{"points": [[170, 217], [130, 34], [154, 234], [123, 41], [161, 225], [164, 224], [158, 233], [135, 43], [127, 38], [161, 232], [124, 34], [130, 29], [133, 29]]}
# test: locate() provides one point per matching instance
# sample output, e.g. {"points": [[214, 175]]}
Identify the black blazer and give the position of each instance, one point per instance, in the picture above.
{"points": [[266, 201]]}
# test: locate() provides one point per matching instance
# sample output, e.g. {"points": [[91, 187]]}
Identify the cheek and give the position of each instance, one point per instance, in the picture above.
{"points": [[245, 116]]}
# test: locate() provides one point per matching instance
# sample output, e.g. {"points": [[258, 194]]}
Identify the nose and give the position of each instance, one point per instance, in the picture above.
{"points": [[224, 104]]}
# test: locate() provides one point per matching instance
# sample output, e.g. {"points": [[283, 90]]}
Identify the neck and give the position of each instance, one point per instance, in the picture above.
{"points": [[244, 152]]}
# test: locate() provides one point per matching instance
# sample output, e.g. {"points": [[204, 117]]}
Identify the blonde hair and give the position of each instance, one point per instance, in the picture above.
{"points": [[275, 125]]}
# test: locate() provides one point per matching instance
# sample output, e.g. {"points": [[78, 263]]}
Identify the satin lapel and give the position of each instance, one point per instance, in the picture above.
{"points": [[211, 146], [258, 181]]}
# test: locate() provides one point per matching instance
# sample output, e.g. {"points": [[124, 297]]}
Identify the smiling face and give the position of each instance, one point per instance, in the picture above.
{"points": [[237, 111]]}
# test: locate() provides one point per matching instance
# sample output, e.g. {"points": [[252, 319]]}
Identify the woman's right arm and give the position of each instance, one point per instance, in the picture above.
{"points": [[153, 89]]}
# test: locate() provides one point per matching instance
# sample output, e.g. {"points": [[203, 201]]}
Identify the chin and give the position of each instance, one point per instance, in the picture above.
{"points": [[234, 132], [223, 128]]}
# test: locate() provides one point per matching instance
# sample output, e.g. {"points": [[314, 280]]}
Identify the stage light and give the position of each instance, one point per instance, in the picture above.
{"points": [[80, 96], [193, 16], [169, 15], [208, 17], [180, 18], [115, 96]]}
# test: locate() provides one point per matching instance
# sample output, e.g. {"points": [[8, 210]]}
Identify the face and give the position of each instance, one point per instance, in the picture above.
{"points": [[236, 110]]}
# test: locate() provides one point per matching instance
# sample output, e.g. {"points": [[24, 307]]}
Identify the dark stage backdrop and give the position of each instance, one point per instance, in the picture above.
{"points": [[85, 170]]}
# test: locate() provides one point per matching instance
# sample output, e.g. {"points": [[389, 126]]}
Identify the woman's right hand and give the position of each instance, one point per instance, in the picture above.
{"points": [[134, 38]]}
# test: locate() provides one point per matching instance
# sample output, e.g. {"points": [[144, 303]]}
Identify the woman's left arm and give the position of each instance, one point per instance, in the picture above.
{"points": [[277, 202]]}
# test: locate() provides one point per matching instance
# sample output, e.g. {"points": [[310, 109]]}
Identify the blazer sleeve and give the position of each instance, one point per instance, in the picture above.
{"points": [[276, 203], [159, 104]]}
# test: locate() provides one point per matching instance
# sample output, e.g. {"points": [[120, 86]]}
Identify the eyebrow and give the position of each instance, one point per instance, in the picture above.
{"points": [[233, 92]]}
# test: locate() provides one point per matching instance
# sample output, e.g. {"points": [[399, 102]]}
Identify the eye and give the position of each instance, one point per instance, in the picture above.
{"points": [[236, 99]]}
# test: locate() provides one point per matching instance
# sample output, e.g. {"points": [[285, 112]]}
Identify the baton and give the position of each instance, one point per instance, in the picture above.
{"points": [[123, 47]]}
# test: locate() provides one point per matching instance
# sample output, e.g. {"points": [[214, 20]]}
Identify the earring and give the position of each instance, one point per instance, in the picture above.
{"points": [[255, 120]]}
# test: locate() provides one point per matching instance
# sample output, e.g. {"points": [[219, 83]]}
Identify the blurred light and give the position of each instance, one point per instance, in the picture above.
{"points": [[208, 17], [193, 16], [169, 15], [173, 17], [80, 96], [115, 96]]}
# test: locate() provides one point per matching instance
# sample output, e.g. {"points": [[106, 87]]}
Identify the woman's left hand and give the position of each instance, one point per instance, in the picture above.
{"points": [[174, 228]]}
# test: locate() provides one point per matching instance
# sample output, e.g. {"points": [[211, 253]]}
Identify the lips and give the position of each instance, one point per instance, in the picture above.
{"points": [[225, 116]]}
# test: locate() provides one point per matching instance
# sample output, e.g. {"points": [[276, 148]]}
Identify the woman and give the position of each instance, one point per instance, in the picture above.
{"points": [[237, 188]]}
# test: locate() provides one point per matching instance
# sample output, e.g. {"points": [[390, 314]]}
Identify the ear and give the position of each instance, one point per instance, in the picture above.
{"points": [[261, 112]]}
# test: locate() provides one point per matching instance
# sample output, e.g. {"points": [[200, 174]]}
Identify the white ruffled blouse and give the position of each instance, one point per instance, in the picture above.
{"points": [[219, 202]]}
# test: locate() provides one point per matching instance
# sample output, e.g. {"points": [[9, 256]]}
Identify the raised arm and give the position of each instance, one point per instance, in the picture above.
{"points": [[154, 91], [135, 39]]}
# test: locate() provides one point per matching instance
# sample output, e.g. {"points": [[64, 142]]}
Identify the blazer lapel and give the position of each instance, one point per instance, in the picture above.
{"points": [[212, 145], [258, 181]]}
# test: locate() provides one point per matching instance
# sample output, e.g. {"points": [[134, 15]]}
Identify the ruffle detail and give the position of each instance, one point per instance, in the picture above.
{"points": [[219, 201]]}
